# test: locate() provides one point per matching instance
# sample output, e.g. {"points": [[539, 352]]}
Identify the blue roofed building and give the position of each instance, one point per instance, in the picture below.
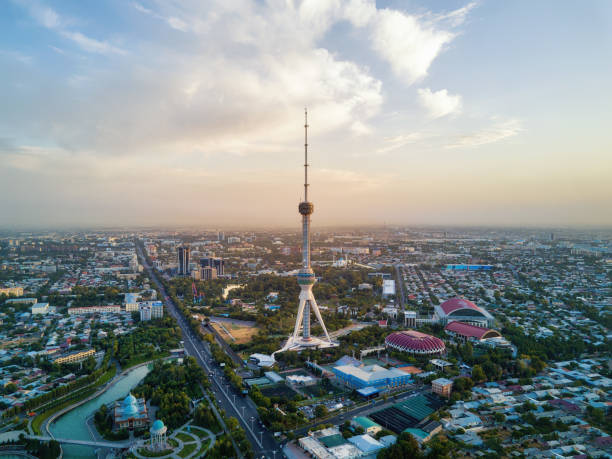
{"points": [[131, 413], [371, 376]]}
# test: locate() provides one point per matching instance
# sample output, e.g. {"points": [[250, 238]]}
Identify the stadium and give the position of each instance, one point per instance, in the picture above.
{"points": [[415, 342]]}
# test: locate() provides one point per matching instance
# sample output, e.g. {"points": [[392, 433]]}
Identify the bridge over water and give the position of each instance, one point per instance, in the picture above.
{"points": [[99, 444]]}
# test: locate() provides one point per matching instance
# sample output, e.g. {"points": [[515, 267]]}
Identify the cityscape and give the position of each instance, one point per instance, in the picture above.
{"points": [[169, 289]]}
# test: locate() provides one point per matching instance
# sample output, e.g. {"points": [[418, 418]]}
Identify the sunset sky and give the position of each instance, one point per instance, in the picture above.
{"points": [[191, 112]]}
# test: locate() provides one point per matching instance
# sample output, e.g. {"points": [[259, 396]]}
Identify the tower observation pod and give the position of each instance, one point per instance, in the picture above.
{"points": [[301, 338]]}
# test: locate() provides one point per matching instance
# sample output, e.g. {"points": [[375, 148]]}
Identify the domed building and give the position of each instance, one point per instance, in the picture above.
{"points": [[415, 342], [463, 310], [131, 413], [158, 436]]}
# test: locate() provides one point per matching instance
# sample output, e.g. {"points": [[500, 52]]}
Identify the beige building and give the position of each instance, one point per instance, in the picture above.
{"points": [[75, 356], [17, 291], [442, 387]]}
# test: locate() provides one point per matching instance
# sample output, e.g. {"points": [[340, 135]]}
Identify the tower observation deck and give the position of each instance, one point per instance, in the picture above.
{"points": [[301, 337]]}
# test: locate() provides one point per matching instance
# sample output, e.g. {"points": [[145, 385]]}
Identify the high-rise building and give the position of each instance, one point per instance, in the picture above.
{"points": [[183, 260], [213, 262], [145, 312], [306, 278], [157, 310], [209, 273]]}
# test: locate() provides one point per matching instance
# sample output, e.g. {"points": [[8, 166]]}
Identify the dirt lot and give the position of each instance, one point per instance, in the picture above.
{"points": [[240, 334]]}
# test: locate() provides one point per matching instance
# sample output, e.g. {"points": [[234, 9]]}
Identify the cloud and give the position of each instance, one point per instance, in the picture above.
{"points": [[45, 16], [409, 45], [456, 17], [439, 103], [177, 24], [91, 45], [399, 141], [49, 18], [495, 133]]}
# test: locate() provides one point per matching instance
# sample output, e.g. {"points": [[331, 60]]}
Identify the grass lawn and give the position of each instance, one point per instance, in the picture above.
{"points": [[199, 432], [173, 442], [147, 453], [188, 449], [185, 437], [203, 448]]}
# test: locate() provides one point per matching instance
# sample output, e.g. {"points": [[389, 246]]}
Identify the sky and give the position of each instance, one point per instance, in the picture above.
{"points": [[191, 113]]}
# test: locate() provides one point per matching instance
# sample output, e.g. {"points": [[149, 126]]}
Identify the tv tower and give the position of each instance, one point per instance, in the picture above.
{"points": [[306, 277]]}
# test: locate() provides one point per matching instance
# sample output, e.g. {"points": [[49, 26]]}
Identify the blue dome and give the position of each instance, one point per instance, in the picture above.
{"points": [[157, 426], [129, 400], [130, 410]]}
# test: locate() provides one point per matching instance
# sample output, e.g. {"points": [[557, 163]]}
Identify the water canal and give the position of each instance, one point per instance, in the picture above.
{"points": [[72, 424]]}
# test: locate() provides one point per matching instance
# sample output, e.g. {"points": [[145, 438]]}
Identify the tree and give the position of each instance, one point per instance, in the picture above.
{"points": [[406, 447], [321, 411], [478, 374]]}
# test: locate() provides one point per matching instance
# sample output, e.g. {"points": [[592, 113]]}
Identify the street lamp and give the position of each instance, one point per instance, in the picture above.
{"points": [[261, 437], [252, 420]]}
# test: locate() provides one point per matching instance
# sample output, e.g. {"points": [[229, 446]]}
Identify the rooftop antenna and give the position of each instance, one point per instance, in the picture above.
{"points": [[305, 154]]}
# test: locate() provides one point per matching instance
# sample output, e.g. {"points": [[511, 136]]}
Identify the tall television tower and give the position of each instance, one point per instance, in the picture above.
{"points": [[306, 277]]}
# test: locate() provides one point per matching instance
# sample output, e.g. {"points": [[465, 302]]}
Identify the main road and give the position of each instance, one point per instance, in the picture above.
{"points": [[234, 403]]}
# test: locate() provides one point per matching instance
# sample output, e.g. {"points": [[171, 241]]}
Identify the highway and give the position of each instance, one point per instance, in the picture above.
{"points": [[399, 287], [234, 404]]}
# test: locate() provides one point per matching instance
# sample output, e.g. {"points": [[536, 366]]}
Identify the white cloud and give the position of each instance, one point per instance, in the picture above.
{"points": [[409, 45], [42, 14], [495, 133], [49, 18], [92, 45], [399, 141], [456, 17], [177, 24], [439, 103]]}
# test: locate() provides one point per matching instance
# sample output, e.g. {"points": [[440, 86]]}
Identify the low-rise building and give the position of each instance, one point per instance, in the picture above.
{"points": [[442, 387], [73, 357], [40, 308]]}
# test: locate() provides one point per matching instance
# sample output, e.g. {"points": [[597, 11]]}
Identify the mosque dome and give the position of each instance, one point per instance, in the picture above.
{"points": [[129, 400], [158, 427]]}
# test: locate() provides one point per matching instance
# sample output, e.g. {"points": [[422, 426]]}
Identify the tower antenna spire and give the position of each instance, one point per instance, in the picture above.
{"points": [[306, 277], [305, 154]]}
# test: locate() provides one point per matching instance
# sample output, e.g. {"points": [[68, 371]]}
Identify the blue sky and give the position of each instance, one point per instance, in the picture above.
{"points": [[188, 112]]}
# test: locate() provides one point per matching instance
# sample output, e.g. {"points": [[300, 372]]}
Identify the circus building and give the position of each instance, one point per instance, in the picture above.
{"points": [[415, 342], [131, 413], [463, 310]]}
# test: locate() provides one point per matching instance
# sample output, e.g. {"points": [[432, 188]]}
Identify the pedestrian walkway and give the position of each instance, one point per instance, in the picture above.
{"points": [[191, 442]]}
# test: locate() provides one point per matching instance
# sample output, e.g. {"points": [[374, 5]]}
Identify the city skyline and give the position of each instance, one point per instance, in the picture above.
{"points": [[460, 113]]}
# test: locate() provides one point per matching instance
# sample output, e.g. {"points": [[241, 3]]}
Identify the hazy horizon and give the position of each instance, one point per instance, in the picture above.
{"points": [[188, 113]]}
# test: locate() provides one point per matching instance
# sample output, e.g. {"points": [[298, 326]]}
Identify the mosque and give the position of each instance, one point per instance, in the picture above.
{"points": [[131, 413]]}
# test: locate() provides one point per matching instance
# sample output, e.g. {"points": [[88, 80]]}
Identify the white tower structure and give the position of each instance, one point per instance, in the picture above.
{"points": [[306, 277]]}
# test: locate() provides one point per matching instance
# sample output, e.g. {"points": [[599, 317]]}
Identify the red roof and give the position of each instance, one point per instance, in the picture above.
{"points": [[414, 341], [470, 331], [455, 304]]}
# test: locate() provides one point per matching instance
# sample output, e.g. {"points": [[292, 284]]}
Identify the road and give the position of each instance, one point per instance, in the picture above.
{"points": [[399, 286], [234, 404]]}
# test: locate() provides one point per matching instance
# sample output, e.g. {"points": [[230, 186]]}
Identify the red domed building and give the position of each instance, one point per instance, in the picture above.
{"points": [[463, 310], [415, 342]]}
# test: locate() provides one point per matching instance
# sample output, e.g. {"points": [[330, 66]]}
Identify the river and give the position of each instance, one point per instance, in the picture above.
{"points": [[72, 424]]}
